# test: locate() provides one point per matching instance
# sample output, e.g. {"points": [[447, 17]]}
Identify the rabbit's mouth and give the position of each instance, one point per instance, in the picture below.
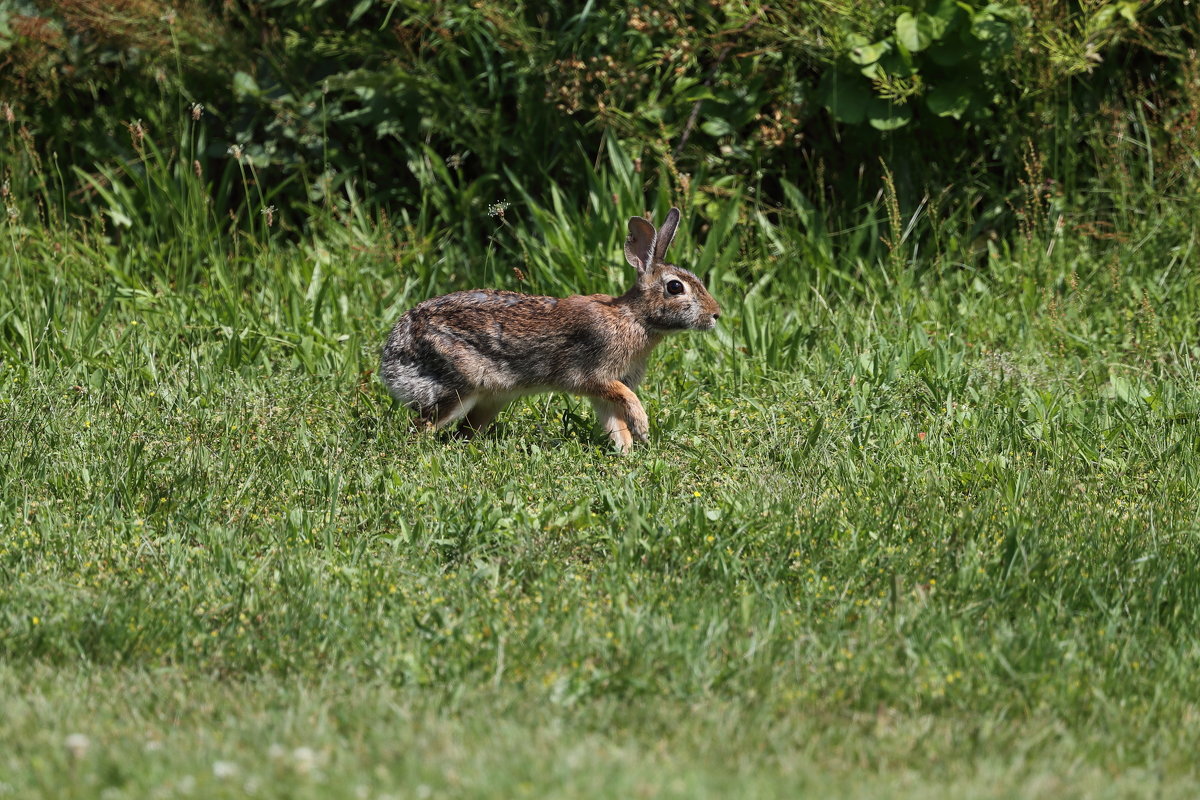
{"points": [[678, 326]]}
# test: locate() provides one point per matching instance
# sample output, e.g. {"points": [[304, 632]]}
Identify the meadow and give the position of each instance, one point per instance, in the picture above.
{"points": [[920, 518]]}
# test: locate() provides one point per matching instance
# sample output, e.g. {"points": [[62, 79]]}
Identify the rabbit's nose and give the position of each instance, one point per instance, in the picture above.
{"points": [[716, 315]]}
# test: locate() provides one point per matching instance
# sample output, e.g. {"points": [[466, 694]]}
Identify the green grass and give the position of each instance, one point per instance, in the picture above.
{"points": [[909, 524]]}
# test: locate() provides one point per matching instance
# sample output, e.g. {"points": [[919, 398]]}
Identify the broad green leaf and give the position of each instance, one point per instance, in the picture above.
{"points": [[716, 127], [947, 11], [949, 51], [949, 99], [869, 53], [1011, 12], [916, 32], [937, 27], [845, 97], [244, 84], [897, 63], [886, 116], [995, 34]]}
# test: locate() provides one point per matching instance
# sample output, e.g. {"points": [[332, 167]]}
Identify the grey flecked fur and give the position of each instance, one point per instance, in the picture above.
{"points": [[463, 356]]}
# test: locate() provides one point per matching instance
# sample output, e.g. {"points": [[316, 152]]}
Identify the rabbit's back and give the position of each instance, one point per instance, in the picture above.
{"points": [[502, 342]]}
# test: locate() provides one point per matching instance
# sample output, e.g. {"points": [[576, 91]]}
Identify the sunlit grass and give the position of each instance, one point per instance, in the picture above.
{"points": [[908, 524]]}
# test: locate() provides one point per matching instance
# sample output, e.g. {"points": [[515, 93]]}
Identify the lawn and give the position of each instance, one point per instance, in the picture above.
{"points": [[928, 529]]}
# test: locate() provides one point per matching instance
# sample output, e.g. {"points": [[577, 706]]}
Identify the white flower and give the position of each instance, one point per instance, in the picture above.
{"points": [[305, 759], [77, 745]]}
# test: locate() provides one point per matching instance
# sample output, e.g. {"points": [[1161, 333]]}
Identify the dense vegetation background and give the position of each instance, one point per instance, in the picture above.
{"points": [[795, 110], [919, 518]]}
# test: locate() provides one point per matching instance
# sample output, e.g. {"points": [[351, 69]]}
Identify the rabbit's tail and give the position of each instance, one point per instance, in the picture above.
{"points": [[424, 381]]}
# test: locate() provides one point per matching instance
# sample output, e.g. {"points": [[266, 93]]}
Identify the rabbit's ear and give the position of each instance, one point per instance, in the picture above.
{"points": [[639, 247], [666, 233]]}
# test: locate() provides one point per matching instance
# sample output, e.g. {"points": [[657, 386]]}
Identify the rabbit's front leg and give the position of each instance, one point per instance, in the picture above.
{"points": [[613, 423], [620, 413], [639, 423]]}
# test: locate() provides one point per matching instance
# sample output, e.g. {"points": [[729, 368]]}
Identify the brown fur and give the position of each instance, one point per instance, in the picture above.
{"points": [[464, 356]]}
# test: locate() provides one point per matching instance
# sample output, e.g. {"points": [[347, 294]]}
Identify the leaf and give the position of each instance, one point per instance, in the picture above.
{"points": [[692, 93], [886, 116], [1129, 11], [244, 84], [360, 9], [869, 53], [938, 26], [920, 358], [1102, 19], [950, 99], [119, 217], [805, 211], [1006, 11], [716, 127], [897, 63], [948, 11], [948, 52], [1105, 18], [845, 97], [917, 32], [995, 34]]}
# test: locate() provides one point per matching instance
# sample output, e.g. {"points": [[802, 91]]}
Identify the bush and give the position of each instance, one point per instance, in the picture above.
{"points": [[326, 103]]}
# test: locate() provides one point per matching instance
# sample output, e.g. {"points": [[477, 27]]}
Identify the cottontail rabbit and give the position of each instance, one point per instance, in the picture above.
{"points": [[463, 356]]}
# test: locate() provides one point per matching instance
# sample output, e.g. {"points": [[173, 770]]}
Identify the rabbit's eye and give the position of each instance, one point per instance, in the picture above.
{"points": [[675, 287]]}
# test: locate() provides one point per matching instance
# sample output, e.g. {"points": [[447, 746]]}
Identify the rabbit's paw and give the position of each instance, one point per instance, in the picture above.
{"points": [[639, 425]]}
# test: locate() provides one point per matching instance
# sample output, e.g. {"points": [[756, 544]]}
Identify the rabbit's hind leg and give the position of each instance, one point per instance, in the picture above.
{"points": [[446, 410], [480, 415]]}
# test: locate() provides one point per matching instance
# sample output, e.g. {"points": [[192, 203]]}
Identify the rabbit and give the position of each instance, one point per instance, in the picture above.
{"points": [[463, 356]]}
